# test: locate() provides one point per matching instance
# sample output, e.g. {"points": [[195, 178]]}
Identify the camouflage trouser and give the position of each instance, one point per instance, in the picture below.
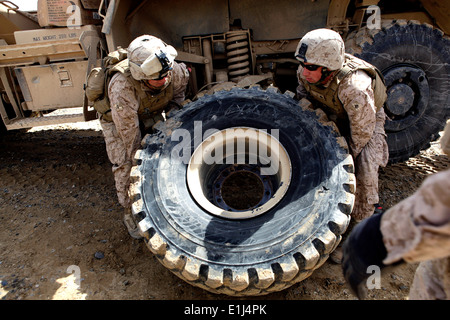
{"points": [[431, 281], [367, 163], [121, 146]]}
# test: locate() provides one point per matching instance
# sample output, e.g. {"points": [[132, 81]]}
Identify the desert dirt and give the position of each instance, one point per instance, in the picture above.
{"points": [[62, 237]]}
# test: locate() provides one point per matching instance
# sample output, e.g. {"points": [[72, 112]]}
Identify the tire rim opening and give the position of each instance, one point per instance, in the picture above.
{"points": [[241, 189], [239, 173]]}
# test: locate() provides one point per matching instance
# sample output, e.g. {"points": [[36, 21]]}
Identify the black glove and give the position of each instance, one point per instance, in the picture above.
{"points": [[364, 247]]}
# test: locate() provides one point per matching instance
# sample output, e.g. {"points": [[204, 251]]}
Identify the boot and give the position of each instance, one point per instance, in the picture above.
{"points": [[131, 225], [378, 209], [336, 255]]}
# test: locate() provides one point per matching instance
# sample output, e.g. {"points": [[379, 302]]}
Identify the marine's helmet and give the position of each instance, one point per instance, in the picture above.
{"points": [[323, 47], [150, 58]]}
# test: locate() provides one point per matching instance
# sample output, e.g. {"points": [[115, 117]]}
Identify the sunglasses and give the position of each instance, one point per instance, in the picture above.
{"points": [[310, 67]]}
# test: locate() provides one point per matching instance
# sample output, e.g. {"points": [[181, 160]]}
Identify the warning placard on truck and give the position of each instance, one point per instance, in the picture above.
{"points": [[55, 34], [66, 13]]}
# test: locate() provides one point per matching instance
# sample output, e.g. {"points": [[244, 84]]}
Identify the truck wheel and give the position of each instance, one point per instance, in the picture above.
{"points": [[243, 192], [415, 61]]}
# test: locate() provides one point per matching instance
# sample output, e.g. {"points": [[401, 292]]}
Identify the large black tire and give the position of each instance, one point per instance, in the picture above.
{"points": [[415, 60], [261, 254]]}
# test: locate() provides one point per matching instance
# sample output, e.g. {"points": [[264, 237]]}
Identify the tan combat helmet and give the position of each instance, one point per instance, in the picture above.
{"points": [[323, 47], [150, 58]]}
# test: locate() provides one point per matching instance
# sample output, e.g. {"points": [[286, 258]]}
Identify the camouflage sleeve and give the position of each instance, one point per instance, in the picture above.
{"points": [[301, 91], [356, 95], [418, 228], [180, 81], [124, 111], [121, 93], [122, 136]]}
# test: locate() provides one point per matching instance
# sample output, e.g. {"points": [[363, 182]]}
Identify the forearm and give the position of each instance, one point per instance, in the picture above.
{"points": [[418, 228]]}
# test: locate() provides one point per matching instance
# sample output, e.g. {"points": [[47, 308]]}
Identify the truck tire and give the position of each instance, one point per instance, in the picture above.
{"points": [[415, 61], [199, 217]]}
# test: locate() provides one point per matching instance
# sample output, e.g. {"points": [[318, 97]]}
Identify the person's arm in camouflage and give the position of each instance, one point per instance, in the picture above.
{"points": [[180, 78], [418, 228], [356, 95], [300, 91]]}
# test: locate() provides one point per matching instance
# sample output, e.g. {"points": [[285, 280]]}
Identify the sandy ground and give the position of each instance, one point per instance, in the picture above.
{"points": [[61, 235]]}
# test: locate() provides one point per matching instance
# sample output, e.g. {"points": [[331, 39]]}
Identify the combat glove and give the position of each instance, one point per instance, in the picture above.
{"points": [[364, 247]]}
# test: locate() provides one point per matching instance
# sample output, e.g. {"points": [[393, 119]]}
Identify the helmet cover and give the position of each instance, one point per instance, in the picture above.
{"points": [[323, 47], [150, 58]]}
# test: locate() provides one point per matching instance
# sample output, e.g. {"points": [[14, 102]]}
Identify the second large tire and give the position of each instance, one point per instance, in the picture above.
{"points": [[415, 61], [248, 255]]}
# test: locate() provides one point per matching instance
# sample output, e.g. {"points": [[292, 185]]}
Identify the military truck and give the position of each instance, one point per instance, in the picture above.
{"points": [[241, 120], [410, 46]]}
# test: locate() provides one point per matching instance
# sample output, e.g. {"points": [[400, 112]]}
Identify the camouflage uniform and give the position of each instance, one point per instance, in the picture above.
{"points": [[418, 230], [123, 135], [366, 138]]}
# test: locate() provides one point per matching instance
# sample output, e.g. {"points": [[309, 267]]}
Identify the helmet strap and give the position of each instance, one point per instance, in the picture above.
{"points": [[324, 78]]}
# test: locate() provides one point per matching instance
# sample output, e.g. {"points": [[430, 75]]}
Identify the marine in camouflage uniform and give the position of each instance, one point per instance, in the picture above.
{"points": [[123, 134], [128, 93], [347, 92], [415, 230]]}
